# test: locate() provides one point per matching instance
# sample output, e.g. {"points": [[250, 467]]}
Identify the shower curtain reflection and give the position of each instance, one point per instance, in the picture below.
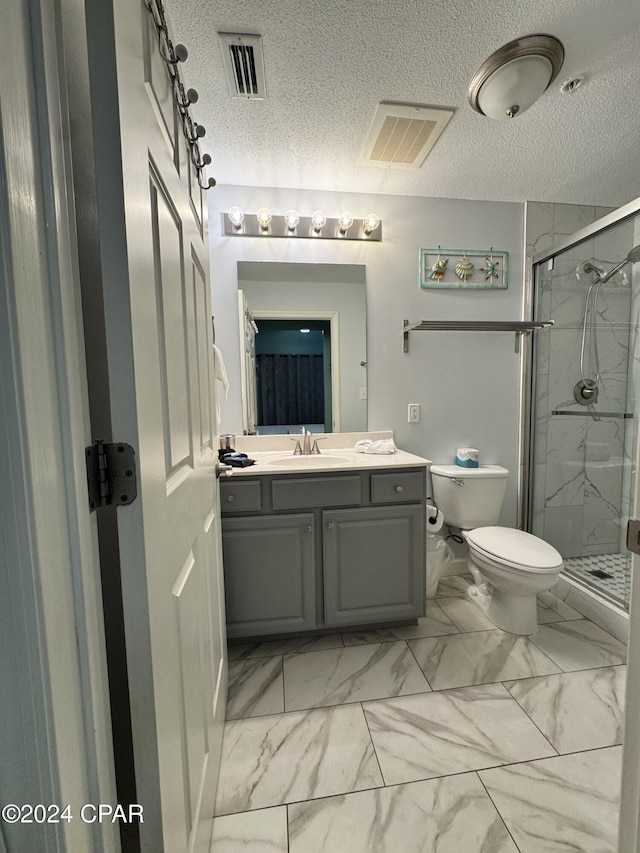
{"points": [[290, 389]]}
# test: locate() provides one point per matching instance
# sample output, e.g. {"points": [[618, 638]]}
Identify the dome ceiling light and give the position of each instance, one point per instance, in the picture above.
{"points": [[513, 78]]}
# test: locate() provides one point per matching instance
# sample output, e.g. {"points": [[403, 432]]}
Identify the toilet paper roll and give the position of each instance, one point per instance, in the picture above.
{"points": [[435, 519]]}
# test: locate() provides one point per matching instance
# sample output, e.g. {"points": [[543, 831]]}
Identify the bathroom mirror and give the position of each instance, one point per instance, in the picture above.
{"points": [[303, 347]]}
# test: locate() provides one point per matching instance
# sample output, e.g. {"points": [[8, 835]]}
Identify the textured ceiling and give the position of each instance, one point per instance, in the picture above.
{"points": [[329, 63]]}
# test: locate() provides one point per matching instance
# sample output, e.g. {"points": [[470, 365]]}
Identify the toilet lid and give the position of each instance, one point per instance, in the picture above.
{"points": [[515, 547]]}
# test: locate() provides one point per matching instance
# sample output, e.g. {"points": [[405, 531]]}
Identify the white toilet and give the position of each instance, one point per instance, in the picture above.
{"points": [[510, 567]]}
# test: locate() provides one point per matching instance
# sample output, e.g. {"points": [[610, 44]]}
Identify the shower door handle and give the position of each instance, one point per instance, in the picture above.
{"points": [[633, 536]]}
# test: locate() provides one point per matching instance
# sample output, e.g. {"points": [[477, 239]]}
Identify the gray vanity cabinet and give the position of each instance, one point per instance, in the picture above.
{"points": [[324, 550], [269, 564], [370, 560]]}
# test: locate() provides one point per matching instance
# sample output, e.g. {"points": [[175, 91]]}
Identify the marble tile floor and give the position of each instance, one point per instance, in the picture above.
{"points": [[446, 736]]}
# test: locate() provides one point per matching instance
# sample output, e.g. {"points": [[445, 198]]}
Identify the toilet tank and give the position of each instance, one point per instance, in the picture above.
{"points": [[469, 497]]}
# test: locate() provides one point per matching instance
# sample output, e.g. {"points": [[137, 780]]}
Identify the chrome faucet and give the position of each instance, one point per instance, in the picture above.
{"points": [[307, 448], [309, 443]]}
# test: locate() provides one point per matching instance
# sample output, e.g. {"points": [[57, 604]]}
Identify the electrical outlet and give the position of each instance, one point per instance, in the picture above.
{"points": [[414, 413]]}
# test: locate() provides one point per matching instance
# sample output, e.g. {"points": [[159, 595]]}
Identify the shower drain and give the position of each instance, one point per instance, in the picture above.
{"points": [[598, 573]]}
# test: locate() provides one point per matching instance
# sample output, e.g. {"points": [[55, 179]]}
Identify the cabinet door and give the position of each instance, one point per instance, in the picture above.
{"points": [[269, 571], [374, 564]]}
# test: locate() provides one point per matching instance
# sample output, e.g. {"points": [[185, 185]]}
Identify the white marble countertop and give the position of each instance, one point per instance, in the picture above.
{"points": [[339, 459], [274, 455]]}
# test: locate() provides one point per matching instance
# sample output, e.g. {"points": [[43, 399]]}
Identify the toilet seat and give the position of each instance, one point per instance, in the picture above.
{"points": [[515, 549]]}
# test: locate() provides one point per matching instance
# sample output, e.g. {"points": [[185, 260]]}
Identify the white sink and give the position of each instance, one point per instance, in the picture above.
{"points": [[322, 461]]}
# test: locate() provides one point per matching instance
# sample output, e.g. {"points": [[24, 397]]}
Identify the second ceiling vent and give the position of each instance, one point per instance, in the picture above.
{"points": [[401, 135], [243, 65]]}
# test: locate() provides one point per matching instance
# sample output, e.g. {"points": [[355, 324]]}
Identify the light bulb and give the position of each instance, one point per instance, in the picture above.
{"points": [[264, 217], [318, 220], [371, 222], [291, 219], [236, 216], [345, 221]]}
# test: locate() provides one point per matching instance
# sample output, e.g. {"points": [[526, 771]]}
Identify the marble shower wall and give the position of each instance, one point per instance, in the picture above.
{"points": [[581, 477]]}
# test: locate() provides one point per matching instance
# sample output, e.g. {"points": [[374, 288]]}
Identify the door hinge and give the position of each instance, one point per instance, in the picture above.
{"points": [[111, 474], [633, 535]]}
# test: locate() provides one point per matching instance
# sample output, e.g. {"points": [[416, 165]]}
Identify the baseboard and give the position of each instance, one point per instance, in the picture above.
{"points": [[457, 566]]}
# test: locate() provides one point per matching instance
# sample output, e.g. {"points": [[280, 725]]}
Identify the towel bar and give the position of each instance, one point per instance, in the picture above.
{"points": [[520, 327], [592, 414]]}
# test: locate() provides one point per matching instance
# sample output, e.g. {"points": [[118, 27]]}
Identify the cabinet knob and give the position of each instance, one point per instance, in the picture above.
{"points": [[231, 498], [308, 528], [399, 489], [330, 524]]}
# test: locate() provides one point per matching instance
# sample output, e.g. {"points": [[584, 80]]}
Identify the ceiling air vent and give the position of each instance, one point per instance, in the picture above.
{"points": [[243, 65], [401, 135]]}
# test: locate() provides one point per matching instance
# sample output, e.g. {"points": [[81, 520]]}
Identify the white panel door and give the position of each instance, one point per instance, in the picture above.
{"points": [[157, 309]]}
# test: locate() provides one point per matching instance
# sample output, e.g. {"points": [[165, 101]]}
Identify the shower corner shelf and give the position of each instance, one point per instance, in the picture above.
{"points": [[520, 327]]}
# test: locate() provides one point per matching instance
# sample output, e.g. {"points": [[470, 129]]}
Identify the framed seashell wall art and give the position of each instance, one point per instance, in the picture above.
{"points": [[476, 269]]}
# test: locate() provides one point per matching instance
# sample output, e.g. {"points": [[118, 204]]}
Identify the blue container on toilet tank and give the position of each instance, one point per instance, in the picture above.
{"points": [[467, 457]]}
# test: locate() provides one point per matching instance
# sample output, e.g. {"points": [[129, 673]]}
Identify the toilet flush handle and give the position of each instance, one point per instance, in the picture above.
{"points": [[457, 482]]}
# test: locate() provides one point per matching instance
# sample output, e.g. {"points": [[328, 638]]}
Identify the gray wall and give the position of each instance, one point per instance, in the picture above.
{"points": [[467, 383]]}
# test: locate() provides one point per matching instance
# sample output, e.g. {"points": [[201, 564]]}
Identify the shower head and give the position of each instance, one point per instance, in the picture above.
{"points": [[632, 258], [585, 267]]}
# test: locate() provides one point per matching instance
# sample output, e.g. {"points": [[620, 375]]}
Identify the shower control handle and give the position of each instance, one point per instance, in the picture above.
{"points": [[586, 391]]}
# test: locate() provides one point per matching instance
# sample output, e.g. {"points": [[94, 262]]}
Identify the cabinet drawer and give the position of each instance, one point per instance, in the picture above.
{"points": [[240, 497], [401, 486], [316, 492]]}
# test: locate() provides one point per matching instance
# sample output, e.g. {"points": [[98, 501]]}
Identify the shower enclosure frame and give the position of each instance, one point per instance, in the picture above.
{"points": [[529, 355]]}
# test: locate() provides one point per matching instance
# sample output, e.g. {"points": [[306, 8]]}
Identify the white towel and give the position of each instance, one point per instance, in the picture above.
{"points": [[220, 373], [383, 446]]}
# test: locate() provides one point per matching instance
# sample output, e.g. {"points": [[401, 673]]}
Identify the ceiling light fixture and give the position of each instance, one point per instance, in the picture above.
{"points": [[371, 223], [513, 78], [345, 221], [264, 218]]}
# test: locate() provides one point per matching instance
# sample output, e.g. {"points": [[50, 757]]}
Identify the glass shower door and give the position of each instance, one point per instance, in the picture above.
{"points": [[584, 408]]}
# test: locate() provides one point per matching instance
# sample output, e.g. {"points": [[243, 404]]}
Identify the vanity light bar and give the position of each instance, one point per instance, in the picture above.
{"points": [[250, 225]]}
